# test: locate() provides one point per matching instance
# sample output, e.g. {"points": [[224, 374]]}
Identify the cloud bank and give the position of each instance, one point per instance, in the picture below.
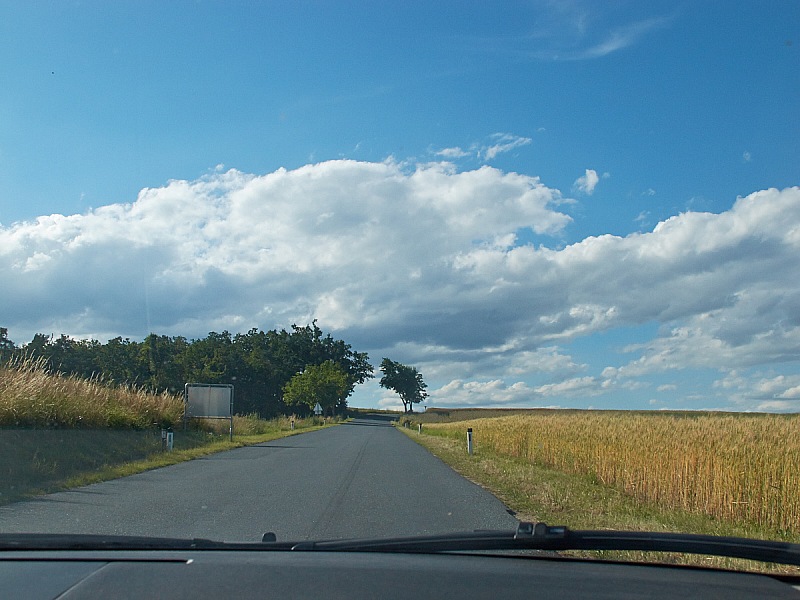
{"points": [[422, 263]]}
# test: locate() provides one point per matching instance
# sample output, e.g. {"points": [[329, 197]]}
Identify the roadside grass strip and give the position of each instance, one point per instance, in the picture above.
{"points": [[35, 462]]}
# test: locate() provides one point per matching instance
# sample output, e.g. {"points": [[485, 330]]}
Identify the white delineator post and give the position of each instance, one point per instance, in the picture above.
{"points": [[469, 440]]}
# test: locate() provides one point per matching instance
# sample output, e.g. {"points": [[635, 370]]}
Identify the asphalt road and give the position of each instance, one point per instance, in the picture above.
{"points": [[360, 479]]}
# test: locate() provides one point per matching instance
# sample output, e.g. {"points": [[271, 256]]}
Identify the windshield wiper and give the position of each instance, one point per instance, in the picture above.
{"points": [[544, 537], [527, 536], [68, 541], [87, 541]]}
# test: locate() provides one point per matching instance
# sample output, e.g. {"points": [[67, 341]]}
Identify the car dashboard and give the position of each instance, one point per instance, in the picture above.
{"points": [[70, 575]]}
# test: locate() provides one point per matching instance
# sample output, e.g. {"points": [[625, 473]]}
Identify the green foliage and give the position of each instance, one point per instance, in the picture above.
{"points": [[404, 380], [327, 384], [7, 347], [259, 364]]}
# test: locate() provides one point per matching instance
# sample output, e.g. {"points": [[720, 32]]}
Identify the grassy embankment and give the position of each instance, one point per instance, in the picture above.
{"points": [[709, 473], [59, 432]]}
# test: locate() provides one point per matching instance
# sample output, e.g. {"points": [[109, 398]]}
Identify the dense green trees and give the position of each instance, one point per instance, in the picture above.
{"points": [[327, 384], [404, 380], [259, 364], [6, 345]]}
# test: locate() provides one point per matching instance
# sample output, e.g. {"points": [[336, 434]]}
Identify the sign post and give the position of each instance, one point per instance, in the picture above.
{"points": [[209, 401], [318, 409]]}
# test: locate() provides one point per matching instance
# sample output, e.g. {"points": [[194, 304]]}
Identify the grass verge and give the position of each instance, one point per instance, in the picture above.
{"points": [[536, 493], [166, 459], [35, 462]]}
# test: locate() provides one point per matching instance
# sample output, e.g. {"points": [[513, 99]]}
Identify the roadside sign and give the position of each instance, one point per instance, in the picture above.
{"points": [[318, 409], [208, 401]]}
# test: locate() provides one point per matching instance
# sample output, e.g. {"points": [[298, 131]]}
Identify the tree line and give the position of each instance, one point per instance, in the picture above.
{"points": [[258, 363], [273, 372]]}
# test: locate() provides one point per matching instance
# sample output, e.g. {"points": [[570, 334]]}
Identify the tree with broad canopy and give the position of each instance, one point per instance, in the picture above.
{"points": [[404, 380], [327, 384]]}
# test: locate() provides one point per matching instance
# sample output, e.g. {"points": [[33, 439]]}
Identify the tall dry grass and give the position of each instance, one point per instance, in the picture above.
{"points": [[738, 467], [30, 396]]}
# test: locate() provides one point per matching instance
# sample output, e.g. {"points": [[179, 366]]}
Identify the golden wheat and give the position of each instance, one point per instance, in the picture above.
{"points": [[738, 467]]}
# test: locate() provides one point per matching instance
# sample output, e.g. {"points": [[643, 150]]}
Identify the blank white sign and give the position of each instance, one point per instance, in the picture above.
{"points": [[208, 400]]}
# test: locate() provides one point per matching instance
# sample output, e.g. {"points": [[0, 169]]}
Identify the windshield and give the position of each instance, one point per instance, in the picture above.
{"points": [[261, 262]]}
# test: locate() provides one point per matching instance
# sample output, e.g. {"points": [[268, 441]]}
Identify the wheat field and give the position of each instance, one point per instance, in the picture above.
{"points": [[737, 467]]}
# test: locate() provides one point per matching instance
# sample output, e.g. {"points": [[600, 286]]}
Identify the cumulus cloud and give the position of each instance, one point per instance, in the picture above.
{"points": [[422, 263], [351, 243], [723, 286], [587, 182], [779, 393], [481, 393]]}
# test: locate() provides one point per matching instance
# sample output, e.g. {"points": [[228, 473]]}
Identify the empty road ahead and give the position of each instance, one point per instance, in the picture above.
{"points": [[360, 479]]}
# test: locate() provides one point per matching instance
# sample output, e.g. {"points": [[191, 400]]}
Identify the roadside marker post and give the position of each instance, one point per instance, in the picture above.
{"points": [[469, 440]]}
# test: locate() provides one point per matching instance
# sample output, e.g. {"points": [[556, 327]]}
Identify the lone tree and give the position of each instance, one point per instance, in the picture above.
{"points": [[327, 384], [404, 380]]}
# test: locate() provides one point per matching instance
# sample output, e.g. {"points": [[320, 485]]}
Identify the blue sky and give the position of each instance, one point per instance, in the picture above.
{"points": [[533, 202]]}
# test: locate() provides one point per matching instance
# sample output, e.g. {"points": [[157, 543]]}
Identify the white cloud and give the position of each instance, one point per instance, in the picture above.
{"points": [[587, 182], [569, 31], [504, 142], [779, 406], [482, 393], [724, 286], [549, 360], [570, 388], [486, 150], [351, 243], [757, 391], [421, 262], [620, 38], [452, 153]]}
